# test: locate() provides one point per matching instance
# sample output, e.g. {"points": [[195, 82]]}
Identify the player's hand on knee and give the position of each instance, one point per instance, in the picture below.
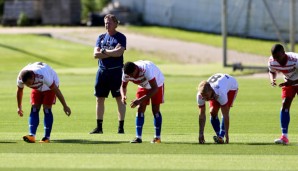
{"points": [[134, 103]]}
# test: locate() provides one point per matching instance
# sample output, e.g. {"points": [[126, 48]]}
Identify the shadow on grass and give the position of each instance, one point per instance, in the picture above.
{"points": [[231, 143], [39, 57], [82, 141], [184, 143], [257, 143], [7, 142]]}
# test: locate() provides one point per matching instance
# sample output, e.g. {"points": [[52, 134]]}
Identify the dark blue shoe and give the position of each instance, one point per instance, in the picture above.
{"points": [[218, 140], [136, 140]]}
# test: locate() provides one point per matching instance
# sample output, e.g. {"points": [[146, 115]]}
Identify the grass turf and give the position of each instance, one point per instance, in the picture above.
{"points": [[254, 120]]}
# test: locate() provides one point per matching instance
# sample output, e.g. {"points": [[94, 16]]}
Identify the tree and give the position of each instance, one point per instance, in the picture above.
{"points": [[90, 6], [23, 20]]}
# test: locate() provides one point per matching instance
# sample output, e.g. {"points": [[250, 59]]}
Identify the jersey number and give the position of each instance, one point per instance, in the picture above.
{"points": [[214, 78]]}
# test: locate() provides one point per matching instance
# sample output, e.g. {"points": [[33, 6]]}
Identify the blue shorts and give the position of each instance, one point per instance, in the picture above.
{"points": [[108, 80]]}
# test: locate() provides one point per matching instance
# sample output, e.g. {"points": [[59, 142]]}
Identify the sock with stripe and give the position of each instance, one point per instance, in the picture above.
{"points": [[284, 121], [33, 120], [157, 124], [140, 118], [222, 128], [48, 122]]}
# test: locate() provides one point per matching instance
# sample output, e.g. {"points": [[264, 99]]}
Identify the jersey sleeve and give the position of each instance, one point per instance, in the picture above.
{"points": [[200, 100], [20, 83], [270, 68], [125, 77], [98, 41], [122, 41]]}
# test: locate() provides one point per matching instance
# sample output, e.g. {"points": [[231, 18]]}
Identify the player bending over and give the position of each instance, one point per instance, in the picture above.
{"points": [[220, 90], [44, 82], [150, 81]]}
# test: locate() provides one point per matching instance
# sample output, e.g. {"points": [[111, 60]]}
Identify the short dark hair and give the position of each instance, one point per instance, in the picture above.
{"points": [[129, 67], [277, 48], [25, 75]]}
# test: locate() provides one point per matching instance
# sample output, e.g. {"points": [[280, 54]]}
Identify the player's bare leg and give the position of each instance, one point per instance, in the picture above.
{"points": [[99, 115], [121, 115]]}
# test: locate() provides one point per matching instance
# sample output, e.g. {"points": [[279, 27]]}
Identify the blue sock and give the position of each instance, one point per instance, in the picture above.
{"points": [[215, 124], [284, 120], [48, 122], [157, 124], [33, 120], [139, 124], [222, 128]]}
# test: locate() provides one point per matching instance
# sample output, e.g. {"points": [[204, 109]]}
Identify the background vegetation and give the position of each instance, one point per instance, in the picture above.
{"points": [[91, 6]]}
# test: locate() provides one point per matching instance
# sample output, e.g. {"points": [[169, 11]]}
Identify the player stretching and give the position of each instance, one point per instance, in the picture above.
{"points": [[44, 83], [220, 90], [286, 63], [150, 83]]}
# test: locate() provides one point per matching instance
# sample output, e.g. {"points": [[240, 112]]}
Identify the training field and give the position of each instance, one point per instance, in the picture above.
{"points": [[253, 128]]}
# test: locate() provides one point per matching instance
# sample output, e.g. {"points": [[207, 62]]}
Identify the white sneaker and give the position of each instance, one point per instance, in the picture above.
{"points": [[282, 140]]}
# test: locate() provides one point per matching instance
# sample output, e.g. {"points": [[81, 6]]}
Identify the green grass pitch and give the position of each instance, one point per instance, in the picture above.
{"points": [[254, 119]]}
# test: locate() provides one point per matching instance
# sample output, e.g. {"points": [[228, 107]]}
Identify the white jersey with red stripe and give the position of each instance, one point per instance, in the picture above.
{"points": [[147, 72], [221, 84], [289, 70], [44, 76]]}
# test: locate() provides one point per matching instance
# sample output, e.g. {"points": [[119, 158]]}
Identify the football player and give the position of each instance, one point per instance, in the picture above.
{"points": [[287, 64], [44, 82], [220, 90], [150, 81]]}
